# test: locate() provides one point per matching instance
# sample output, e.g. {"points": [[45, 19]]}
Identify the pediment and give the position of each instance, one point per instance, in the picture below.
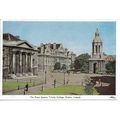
{"points": [[25, 45]]}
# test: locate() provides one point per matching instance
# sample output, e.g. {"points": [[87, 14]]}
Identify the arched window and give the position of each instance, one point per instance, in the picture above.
{"points": [[96, 49], [99, 48]]}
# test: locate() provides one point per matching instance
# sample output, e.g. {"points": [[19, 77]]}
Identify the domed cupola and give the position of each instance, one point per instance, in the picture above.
{"points": [[97, 37]]}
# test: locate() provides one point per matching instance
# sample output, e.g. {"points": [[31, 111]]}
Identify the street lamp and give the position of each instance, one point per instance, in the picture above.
{"points": [[64, 77], [45, 77]]}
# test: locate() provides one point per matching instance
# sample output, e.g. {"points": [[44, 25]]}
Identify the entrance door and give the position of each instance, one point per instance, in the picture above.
{"points": [[94, 67]]}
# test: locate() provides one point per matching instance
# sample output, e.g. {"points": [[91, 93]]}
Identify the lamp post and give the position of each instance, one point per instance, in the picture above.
{"points": [[54, 83], [45, 77], [64, 77]]}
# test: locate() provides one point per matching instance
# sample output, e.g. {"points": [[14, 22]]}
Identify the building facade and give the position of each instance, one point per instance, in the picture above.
{"points": [[110, 58], [23, 59], [18, 57], [49, 54], [97, 61]]}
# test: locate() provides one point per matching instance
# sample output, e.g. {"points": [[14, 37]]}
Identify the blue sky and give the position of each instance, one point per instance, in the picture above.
{"points": [[76, 36]]}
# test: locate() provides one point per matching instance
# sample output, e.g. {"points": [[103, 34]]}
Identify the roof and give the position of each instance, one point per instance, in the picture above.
{"points": [[13, 41], [8, 36], [17, 44], [97, 37]]}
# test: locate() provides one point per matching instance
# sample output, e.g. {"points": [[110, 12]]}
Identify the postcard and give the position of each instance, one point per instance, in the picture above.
{"points": [[58, 60]]}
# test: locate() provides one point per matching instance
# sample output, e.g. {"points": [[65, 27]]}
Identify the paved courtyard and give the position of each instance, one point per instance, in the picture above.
{"points": [[49, 77]]}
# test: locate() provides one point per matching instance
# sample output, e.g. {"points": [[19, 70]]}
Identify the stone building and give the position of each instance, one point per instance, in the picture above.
{"points": [[19, 57], [97, 61], [110, 58], [22, 59], [49, 54]]}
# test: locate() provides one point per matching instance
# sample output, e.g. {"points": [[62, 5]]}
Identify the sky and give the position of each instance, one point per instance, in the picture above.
{"points": [[77, 36]]}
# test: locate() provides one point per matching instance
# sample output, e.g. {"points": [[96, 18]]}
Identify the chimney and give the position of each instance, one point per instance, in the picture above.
{"points": [[54, 46], [17, 36]]}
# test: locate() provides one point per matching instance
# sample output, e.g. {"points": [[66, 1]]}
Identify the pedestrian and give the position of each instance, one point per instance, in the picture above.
{"points": [[24, 91], [54, 83], [26, 87]]}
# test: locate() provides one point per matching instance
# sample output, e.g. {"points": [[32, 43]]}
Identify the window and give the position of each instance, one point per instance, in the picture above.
{"points": [[99, 48], [96, 48]]}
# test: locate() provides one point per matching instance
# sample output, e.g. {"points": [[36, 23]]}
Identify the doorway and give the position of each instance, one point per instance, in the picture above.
{"points": [[94, 67]]}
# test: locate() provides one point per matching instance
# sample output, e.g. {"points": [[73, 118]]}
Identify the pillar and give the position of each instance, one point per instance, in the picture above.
{"points": [[26, 65], [31, 61], [14, 69], [23, 62], [90, 67], [103, 66], [98, 66], [20, 62], [17, 62]]}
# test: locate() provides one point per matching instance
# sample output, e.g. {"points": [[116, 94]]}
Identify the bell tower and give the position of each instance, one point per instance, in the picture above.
{"points": [[97, 46], [97, 62]]}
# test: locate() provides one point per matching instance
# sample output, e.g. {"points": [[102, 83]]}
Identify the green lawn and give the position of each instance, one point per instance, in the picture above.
{"points": [[11, 85], [68, 90]]}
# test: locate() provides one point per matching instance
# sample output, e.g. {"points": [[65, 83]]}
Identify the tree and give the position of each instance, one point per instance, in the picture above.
{"points": [[72, 66], [82, 62], [63, 67], [57, 66], [110, 67], [77, 64]]}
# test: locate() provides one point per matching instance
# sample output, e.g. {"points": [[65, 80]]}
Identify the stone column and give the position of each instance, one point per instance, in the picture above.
{"points": [[17, 63], [104, 66], [90, 67], [14, 69], [23, 63], [30, 62], [20, 62], [98, 66], [101, 66], [26, 65]]}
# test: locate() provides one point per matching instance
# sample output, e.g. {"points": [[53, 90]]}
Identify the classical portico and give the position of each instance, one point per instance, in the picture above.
{"points": [[18, 56], [22, 62]]}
